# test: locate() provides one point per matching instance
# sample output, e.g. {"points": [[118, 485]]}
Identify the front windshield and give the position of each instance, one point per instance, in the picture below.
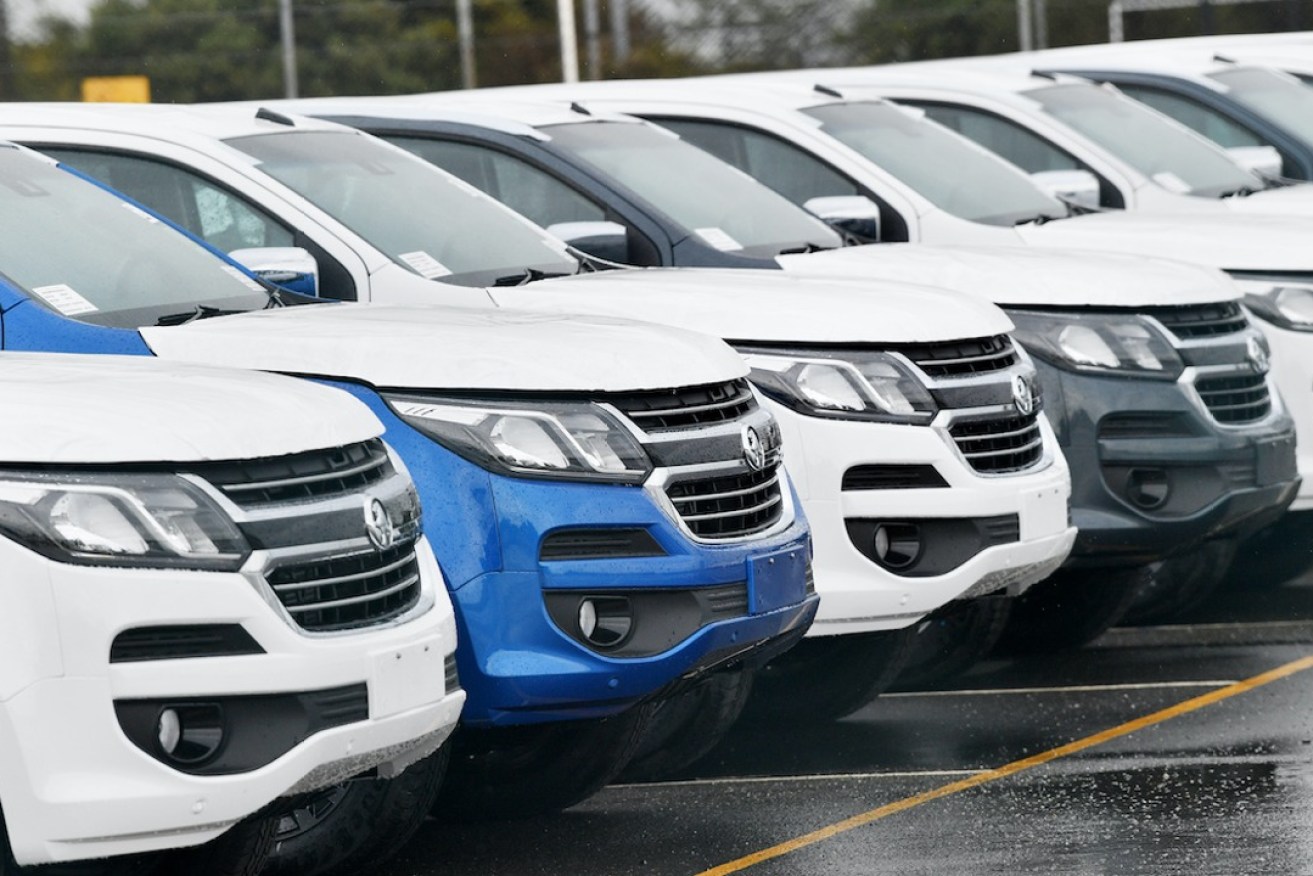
{"points": [[91, 256], [721, 204], [1276, 96], [1174, 158], [949, 171], [420, 217]]}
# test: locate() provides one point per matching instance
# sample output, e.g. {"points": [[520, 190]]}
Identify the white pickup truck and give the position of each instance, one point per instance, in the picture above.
{"points": [[154, 690]]}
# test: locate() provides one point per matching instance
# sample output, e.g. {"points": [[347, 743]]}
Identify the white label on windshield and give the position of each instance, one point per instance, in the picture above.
{"points": [[245, 279], [425, 265], [65, 300], [718, 238], [137, 211], [1171, 182]]}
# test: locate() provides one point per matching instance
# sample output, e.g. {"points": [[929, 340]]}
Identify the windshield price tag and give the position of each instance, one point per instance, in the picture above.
{"points": [[425, 265], [718, 238], [65, 300], [241, 276]]}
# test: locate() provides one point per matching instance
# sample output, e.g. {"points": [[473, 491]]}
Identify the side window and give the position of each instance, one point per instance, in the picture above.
{"points": [[533, 193], [528, 190], [213, 214], [790, 171], [1193, 114]]}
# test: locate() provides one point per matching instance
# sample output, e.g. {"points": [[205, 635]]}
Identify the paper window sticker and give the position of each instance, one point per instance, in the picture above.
{"points": [[242, 277], [425, 265], [140, 213], [64, 299], [718, 238]]}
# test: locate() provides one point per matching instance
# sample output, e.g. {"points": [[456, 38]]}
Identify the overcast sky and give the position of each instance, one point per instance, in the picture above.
{"points": [[23, 14]]}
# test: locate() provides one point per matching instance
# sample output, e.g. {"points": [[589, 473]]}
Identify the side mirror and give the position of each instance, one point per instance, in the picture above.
{"points": [[605, 240], [856, 217], [291, 267], [1079, 187], [1262, 160]]}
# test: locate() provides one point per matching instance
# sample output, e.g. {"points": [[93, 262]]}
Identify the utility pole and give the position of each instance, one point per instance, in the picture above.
{"points": [[619, 12], [1041, 24], [1024, 43], [6, 77], [288, 32], [593, 38], [1206, 25], [569, 41], [465, 32]]}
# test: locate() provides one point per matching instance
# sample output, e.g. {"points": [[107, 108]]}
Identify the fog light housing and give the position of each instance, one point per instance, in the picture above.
{"points": [[605, 621], [190, 734], [896, 545], [1148, 488]]}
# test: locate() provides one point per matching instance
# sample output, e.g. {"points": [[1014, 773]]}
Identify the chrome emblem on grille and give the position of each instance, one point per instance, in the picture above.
{"points": [[1257, 355], [1022, 395], [754, 450], [378, 525]]}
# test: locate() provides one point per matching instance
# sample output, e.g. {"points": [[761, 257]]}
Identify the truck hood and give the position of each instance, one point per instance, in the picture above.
{"points": [[1296, 200], [1027, 276], [86, 410], [450, 348], [757, 305], [1254, 243]]}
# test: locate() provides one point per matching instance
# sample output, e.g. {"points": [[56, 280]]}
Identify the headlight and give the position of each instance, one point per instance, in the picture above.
{"points": [[570, 440], [1118, 343], [848, 385], [1289, 307], [142, 520]]}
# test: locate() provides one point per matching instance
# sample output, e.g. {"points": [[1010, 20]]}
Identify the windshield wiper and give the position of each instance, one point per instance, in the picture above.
{"points": [[806, 249], [1242, 192], [528, 275], [200, 311]]}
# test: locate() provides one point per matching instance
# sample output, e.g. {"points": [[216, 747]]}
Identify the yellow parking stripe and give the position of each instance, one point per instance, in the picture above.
{"points": [[1017, 766]]}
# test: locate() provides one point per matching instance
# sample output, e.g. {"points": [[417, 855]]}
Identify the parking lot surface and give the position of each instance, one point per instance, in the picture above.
{"points": [[1159, 750]]}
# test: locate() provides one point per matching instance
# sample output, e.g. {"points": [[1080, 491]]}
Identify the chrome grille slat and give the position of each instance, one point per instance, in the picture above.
{"points": [[963, 358], [773, 500], [693, 409], [343, 579], [729, 493], [347, 591], [319, 474], [722, 507], [1190, 322], [1237, 398], [1000, 445], [309, 479], [685, 408], [356, 600]]}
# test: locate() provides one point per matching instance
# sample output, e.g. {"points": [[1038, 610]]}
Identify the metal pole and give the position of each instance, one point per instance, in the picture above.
{"points": [[619, 11], [285, 27], [569, 41], [1116, 30], [1041, 24], [465, 33], [1206, 18], [1023, 26], [6, 78], [593, 38]]}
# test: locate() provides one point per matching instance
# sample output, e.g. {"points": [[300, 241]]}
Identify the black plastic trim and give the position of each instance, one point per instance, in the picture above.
{"points": [[142, 644], [599, 544], [892, 477], [946, 543], [661, 618]]}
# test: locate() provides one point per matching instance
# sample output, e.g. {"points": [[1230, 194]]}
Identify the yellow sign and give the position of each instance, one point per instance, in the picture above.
{"points": [[116, 89]]}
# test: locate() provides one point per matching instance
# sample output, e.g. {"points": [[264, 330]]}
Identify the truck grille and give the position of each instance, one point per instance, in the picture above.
{"points": [[655, 411], [729, 506], [351, 591], [318, 474], [1201, 320], [1000, 445], [957, 358], [1240, 398]]}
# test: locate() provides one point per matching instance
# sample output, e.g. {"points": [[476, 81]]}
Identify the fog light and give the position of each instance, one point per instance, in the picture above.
{"points": [[605, 621], [896, 545], [190, 734], [1148, 488]]}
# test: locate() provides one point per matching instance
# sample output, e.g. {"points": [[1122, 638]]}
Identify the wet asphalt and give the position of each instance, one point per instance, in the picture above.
{"points": [[1224, 789]]}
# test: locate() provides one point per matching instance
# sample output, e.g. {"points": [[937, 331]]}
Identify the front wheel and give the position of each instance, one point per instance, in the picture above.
{"points": [[1179, 584], [952, 639], [357, 824], [1071, 608], [829, 677], [518, 772], [687, 726]]}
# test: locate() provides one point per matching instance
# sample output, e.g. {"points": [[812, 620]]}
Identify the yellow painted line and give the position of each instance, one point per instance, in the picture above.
{"points": [[1017, 766]]}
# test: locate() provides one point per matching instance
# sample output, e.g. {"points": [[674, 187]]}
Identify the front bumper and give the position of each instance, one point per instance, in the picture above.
{"points": [[858, 594], [74, 786], [1292, 367], [1120, 433], [530, 668]]}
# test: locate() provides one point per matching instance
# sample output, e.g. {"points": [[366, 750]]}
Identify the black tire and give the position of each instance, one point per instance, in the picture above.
{"points": [[687, 726], [828, 677], [1070, 608], [241, 851], [951, 640], [1180, 583], [354, 826], [519, 772], [1273, 556]]}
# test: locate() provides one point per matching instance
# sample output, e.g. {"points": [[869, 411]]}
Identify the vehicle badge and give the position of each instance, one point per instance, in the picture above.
{"points": [[378, 525], [754, 450], [1257, 355], [1022, 395]]}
